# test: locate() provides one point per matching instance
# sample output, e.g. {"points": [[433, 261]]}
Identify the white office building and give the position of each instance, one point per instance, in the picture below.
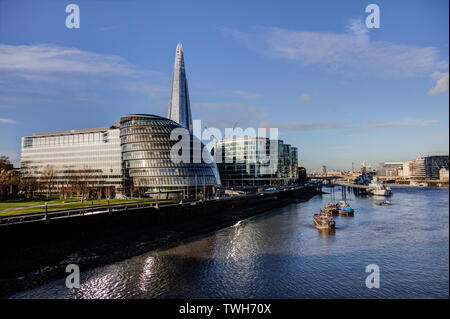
{"points": [[89, 157]]}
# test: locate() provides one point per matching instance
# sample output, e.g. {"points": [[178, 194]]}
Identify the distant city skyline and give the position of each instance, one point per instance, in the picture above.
{"points": [[338, 91]]}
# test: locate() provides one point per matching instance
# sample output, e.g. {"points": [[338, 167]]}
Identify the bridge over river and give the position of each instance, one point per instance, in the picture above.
{"points": [[333, 180], [352, 185]]}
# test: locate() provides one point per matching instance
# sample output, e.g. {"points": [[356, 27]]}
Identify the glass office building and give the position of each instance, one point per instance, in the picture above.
{"points": [[422, 168], [75, 159], [433, 165], [252, 161], [133, 160], [135, 157], [428, 167], [150, 167]]}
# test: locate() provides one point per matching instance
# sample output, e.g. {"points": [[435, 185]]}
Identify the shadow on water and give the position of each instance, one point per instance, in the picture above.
{"points": [[256, 276], [282, 254]]}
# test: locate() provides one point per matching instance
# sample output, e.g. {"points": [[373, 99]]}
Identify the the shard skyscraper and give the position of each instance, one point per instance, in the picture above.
{"points": [[179, 105]]}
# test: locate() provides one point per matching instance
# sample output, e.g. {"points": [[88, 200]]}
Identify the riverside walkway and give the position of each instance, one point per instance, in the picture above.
{"points": [[120, 207]]}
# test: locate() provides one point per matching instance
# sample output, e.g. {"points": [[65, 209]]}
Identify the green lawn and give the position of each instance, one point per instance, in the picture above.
{"points": [[31, 202], [23, 206]]}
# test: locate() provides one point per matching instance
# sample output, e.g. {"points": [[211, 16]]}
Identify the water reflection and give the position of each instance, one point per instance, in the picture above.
{"points": [[146, 273], [326, 233], [103, 284], [282, 255]]}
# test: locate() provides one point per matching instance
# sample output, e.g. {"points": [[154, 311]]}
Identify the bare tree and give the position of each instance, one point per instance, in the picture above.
{"points": [[28, 182], [9, 176], [48, 178], [96, 183], [85, 179], [90, 180], [108, 192], [64, 189]]}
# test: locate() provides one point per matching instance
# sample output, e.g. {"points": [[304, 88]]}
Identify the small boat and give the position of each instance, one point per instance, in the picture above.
{"points": [[417, 184], [383, 202], [344, 208], [331, 209], [324, 221]]}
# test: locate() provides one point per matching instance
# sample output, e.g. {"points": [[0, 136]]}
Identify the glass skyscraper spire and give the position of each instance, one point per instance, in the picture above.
{"points": [[179, 105]]}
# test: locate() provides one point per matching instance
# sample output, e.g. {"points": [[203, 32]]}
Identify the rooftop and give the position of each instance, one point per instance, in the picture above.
{"points": [[83, 131]]}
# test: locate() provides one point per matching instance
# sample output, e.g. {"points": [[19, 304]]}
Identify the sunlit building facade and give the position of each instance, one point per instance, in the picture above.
{"points": [[256, 161], [131, 160], [179, 103], [151, 167], [390, 169], [424, 167], [89, 157], [433, 164], [419, 171]]}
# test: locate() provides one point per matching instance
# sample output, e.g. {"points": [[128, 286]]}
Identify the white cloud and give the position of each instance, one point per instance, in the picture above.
{"points": [[353, 51], [25, 99], [302, 126], [357, 27], [231, 107], [247, 95], [149, 89], [349, 129], [7, 121], [441, 84], [43, 58], [45, 69], [371, 125], [305, 97]]}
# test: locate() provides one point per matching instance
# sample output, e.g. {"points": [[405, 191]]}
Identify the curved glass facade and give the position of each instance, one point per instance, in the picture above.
{"points": [[146, 153]]}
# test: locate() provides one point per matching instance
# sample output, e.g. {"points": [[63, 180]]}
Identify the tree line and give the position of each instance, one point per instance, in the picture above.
{"points": [[29, 183]]}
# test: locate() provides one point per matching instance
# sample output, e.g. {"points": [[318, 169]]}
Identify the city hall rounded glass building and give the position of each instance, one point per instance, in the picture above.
{"points": [[149, 165]]}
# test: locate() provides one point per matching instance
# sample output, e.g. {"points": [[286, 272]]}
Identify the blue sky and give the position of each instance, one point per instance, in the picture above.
{"points": [[338, 91]]}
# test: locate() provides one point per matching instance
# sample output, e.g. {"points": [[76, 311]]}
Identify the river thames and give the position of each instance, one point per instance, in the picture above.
{"points": [[280, 254]]}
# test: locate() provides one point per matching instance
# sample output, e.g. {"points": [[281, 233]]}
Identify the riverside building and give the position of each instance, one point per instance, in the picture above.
{"points": [[86, 158], [149, 165], [127, 160], [428, 167], [256, 161], [422, 168]]}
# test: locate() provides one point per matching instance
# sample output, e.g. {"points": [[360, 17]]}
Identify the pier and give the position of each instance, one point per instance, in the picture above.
{"points": [[351, 185]]}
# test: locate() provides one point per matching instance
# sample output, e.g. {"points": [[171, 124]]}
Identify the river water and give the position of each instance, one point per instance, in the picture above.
{"points": [[282, 255]]}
